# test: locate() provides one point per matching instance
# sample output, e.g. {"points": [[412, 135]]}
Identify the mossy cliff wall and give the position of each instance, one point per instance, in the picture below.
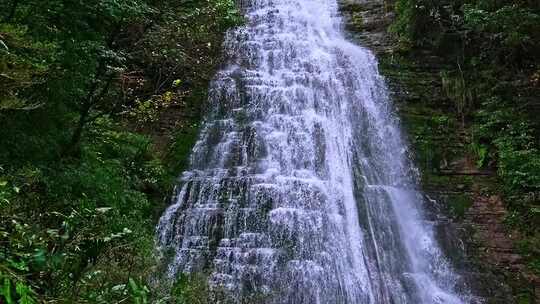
{"points": [[465, 200]]}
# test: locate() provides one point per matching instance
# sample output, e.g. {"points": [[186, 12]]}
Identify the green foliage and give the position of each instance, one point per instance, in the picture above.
{"points": [[200, 26], [519, 159], [459, 91], [97, 218], [79, 189], [139, 292], [24, 63], [405, 24], [15, 290], [422, 22], [516, 150], [511, 28], [192, 289], [480, 152]]}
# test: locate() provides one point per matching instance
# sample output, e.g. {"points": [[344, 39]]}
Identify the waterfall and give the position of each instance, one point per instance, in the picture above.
{"points": [[300, 190]]}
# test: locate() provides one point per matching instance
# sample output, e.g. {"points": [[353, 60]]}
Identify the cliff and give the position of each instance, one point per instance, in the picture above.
{"points": [[465, 200]]}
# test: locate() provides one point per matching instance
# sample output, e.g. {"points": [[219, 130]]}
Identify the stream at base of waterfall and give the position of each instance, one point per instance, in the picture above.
{"points": [[300, 189]]}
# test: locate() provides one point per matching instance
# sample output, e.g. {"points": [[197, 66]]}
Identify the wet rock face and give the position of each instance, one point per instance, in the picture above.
{"points": [[470, 216], [367, 22]]}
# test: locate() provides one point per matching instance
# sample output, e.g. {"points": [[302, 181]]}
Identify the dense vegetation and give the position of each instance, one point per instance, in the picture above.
{"points": [[494, 48], [80, 190]]}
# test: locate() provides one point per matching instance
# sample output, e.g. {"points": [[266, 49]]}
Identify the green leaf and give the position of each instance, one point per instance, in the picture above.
{"points": [[40, 257], [25, 293], [6, 291]]}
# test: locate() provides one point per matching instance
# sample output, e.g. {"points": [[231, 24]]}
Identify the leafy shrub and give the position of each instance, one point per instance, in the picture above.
{"points": [[507, 31], [79, 191]]}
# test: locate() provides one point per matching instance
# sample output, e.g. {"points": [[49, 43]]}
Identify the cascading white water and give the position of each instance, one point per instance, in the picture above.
{"points": [[300, 190]]}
